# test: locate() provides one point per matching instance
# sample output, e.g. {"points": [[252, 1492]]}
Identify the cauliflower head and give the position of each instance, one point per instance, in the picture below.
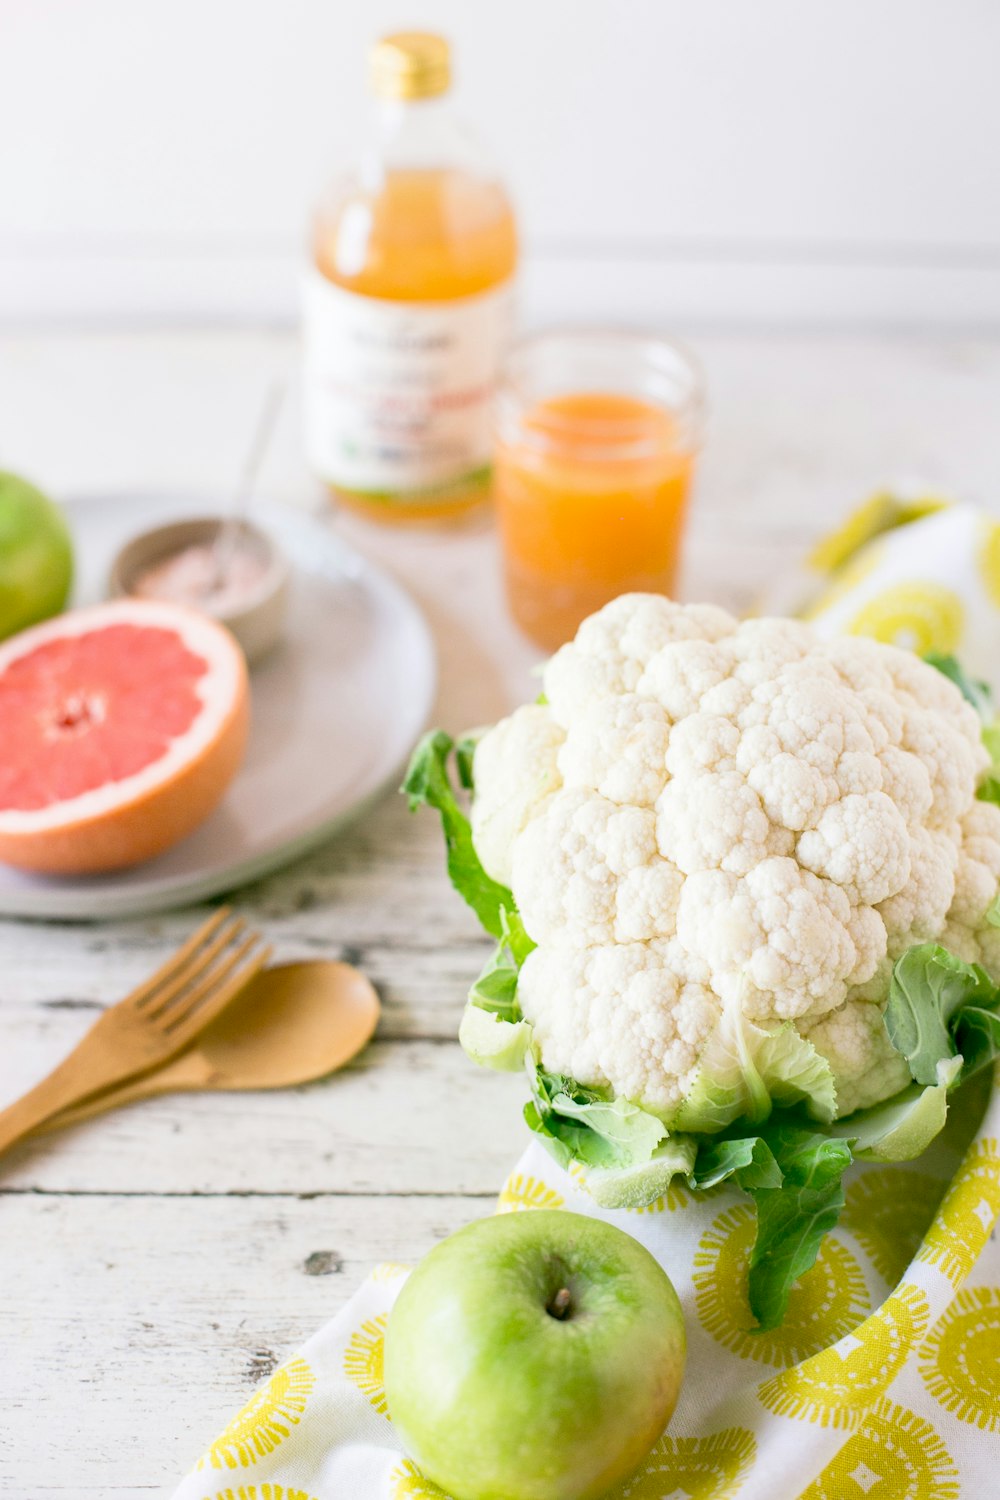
{"points": [[705, 819]]}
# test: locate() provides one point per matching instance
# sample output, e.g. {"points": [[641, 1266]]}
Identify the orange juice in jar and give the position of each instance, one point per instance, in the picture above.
{"points": [[596, 439], [408, 303]]}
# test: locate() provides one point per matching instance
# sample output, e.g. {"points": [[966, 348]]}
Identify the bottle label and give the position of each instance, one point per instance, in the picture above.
{"points": [[398, 395]]}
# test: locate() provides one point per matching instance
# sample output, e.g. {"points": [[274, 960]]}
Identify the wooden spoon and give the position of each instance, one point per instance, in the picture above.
{"points": [[292, 1023]]}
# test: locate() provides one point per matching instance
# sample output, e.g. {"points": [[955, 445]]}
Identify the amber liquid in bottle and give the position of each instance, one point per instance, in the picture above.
{"points": [[408, 311]]}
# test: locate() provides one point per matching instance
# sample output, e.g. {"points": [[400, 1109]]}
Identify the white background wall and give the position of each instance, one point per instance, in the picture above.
{"points": [[697, 161]]}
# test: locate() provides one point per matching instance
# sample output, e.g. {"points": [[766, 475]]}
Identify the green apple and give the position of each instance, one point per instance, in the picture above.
{"points": [[533, 1356], [36, 556]]}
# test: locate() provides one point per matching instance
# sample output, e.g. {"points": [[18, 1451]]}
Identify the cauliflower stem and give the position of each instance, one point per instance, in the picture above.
{"points": [[744, 891]]}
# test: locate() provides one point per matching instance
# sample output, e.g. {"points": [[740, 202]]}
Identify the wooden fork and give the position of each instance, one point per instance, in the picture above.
{"points": [[150, 1026]]}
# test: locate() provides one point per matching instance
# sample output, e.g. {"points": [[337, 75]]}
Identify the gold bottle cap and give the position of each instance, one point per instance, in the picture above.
{"points": [[410, 65]]}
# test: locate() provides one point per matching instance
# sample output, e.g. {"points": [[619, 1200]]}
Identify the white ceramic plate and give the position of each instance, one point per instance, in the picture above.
{"points": [[337, 708]]}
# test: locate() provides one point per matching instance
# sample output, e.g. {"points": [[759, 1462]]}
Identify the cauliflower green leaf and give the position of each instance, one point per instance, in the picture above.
{"points": [[973, 690], [793, 1173], [900, 1128], [496, 988], [428, 784], [989, 787], [513, 935], [744, 1070], [492, 1041], [493, 1032], [748, 1159], [793, 1216], [940, 1007], [644, 1182], [978, 1038], [588, 1125], [465, 754], [980, 695]]}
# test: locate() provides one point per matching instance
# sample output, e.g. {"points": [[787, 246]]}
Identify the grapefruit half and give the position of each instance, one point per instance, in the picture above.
{"points": [[120, 728]]}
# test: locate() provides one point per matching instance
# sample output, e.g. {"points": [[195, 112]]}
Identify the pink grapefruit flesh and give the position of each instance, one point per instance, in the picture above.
{"points": [[120, 728]]}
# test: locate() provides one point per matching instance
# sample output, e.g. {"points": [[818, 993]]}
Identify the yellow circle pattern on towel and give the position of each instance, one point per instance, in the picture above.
{"points": [[697, 1468], [921, 616], [988, 560], [262, 1492], [834, 1386], [894, 1455], [390, 1270], [677, 1196], [266, 1420], [520, 1192], [409, 1484], [854, 571], [960, 1362], [889, 1210], [826, 1303], [966, 1214], [364, 1361]]}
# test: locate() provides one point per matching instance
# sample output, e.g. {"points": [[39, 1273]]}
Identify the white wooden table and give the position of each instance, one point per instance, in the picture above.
{"points": [[155, 1265]]}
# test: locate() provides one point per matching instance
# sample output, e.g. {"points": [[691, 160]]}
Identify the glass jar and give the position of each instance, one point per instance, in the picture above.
{"points": [[596, 440]]}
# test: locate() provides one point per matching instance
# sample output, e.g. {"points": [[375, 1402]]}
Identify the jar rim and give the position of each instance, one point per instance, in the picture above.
{"points": [[648, 366]]}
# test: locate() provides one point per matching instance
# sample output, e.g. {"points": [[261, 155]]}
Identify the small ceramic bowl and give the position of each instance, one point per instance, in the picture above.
{"points": [[258, 620]]}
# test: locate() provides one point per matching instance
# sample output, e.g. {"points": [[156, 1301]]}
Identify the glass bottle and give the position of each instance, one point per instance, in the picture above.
{"points": [[408, 302]]}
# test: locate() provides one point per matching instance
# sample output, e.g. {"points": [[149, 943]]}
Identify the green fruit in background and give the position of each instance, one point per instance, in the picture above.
{"points": [[533, 1356], [36, 556]]}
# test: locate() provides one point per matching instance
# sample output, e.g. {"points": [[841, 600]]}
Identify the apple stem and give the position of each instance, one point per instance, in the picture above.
{"points": [[560, 1304]]}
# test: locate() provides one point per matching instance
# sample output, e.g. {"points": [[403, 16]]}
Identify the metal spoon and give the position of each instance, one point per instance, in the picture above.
{"points": [[291, 1024], [227, 538]]}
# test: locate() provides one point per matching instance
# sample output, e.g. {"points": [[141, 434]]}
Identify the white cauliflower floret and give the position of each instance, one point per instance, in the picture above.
{"points": [[918, 909], [975, 888], [866, 1066], [681, 674], [792, 792], [716, 822], [807, 742], [618, 747], [962, 941], [516, 772], [612, 648], [778, 940], [977, 873], [618, 1016], [763, 647], [950, 760], [906, 782], [861, 663], [586, 870], [924, 687], [703, 742], [716, 818], [862, 844]]}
